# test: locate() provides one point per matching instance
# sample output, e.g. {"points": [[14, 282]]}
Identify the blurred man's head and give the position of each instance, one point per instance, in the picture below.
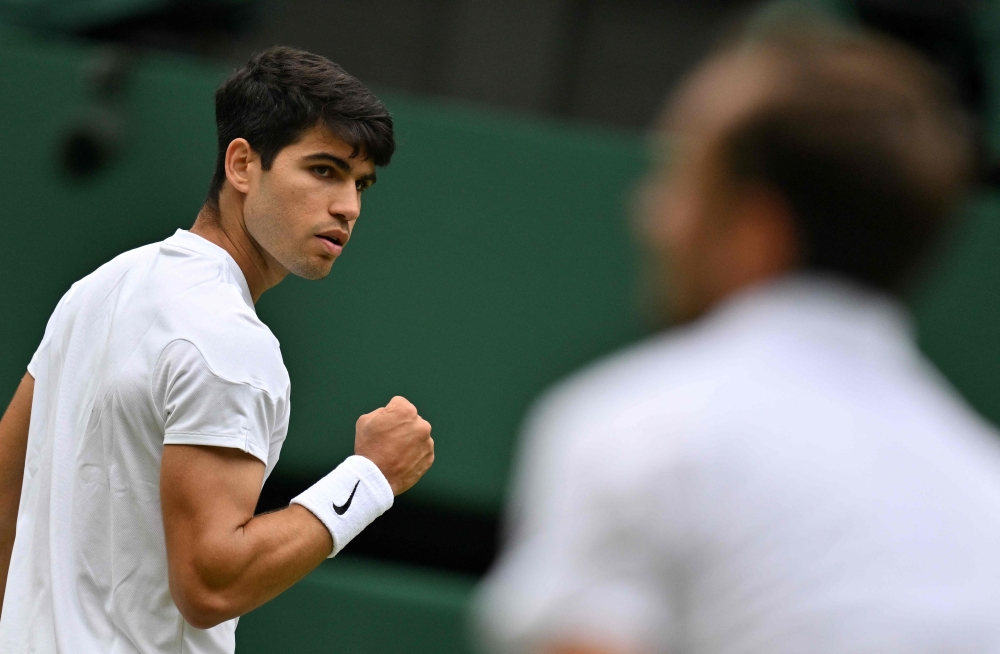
{"points": [[803, 147]]}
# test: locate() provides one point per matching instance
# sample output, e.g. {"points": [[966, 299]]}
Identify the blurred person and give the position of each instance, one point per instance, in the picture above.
{"points": [[157, 402], [784, 472]]}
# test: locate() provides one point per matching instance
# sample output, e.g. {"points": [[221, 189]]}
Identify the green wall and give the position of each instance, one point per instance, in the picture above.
{"points": [[489, 260], [958, 309], [354, 606], [492, 257]]}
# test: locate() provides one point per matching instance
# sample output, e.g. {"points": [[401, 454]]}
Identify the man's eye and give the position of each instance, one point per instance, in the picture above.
{"points": [[361, 185], [322, 171]]}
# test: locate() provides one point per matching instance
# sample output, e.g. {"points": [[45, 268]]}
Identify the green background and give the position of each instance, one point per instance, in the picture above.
{"points": [[492, 257], [362, 607]]}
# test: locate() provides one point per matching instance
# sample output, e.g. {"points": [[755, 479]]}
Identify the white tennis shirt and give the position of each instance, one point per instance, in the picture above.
{"points": [[787, 475], [159, 346]]}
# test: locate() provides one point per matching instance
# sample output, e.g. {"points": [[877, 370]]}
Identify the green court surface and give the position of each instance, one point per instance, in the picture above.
{"points": [[362, 607]]}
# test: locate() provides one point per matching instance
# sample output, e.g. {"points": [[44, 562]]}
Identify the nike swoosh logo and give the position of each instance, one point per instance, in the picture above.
{"points": [[341, 510]]}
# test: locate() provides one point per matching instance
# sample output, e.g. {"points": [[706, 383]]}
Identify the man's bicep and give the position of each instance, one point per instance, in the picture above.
{"points": [[209, 484], [207, 495], [206, 492]]}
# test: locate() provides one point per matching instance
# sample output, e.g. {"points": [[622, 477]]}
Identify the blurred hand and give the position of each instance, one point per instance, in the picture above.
{"points": [[398, 441]]}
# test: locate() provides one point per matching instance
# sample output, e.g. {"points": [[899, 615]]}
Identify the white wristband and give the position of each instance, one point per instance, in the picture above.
{"points": [[348, 499]]}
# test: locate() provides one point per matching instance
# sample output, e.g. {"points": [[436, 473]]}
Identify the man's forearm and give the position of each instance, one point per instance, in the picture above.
{"points": [[235, 573], [223, 561]]}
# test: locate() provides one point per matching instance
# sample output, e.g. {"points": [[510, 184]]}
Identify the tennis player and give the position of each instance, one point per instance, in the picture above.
{"points": [[785, 473], [135, 448]]}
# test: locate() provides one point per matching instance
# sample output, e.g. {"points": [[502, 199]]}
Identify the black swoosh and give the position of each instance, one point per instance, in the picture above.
{"points": [[341, 510]]}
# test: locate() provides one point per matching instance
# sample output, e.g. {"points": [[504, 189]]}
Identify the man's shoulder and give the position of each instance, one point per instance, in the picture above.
{"points": [[115, 269], [235, 344], [665, 394], [145, 270], [195, 299], [666, 370]]}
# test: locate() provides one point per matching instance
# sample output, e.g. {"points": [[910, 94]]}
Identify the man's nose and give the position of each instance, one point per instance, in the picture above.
{"points": [[347, 204]]}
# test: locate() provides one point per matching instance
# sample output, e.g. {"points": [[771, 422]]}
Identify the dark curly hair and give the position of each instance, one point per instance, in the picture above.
{"points": [[282, 92]]}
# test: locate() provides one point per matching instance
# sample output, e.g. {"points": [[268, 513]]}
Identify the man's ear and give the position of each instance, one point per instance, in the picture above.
{"points": [[240, 159], [769, 239]]}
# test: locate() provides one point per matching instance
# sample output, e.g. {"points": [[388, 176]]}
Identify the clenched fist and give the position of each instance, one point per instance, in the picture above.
{"points": [[398, 441]]}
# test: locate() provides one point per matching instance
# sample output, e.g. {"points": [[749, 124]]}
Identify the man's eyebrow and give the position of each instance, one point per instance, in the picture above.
{"points": [[338, 162], [332, 158]]}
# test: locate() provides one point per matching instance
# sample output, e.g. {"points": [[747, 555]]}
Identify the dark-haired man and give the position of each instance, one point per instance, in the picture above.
{"points": [[785, 473], [157, 402]]}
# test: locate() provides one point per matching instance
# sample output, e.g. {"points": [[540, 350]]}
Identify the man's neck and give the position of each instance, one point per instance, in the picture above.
{"points": [[225, 227]]}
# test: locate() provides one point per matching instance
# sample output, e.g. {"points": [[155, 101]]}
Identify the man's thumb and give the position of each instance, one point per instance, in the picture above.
{"points": [[365, 419]]}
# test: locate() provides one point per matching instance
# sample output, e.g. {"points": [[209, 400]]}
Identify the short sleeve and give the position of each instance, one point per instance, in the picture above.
{"points": [[200, 407], [580, 565], [50, 328]]}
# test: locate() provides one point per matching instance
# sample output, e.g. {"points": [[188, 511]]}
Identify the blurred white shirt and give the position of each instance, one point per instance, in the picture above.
{"points": [[786, 475]]}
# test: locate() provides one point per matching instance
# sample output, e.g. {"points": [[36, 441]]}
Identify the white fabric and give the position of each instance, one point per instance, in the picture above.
{"points": [[787, 475], [159, 346], [348, 499]]}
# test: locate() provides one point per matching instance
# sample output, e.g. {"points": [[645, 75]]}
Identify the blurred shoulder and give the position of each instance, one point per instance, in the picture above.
{"points": [[673, 373]]}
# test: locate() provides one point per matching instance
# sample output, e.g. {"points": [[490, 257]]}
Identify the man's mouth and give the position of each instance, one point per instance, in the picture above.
{"points": [[332, 244]]}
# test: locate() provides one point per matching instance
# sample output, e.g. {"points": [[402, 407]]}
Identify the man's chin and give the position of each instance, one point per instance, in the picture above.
{"points": [[312, 271]]}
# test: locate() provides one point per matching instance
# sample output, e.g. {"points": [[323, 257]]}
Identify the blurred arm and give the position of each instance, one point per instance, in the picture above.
{"points": [[576, 648], [13, 446], [222, 560], [577, 573]]}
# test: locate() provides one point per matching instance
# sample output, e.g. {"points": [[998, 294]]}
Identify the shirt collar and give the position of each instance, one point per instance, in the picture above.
{"points": [[182, 238], [825, 307]]}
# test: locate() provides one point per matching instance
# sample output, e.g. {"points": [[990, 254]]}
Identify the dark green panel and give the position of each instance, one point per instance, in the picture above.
{"points": [[55, 229], [958, 313], [360, 607], [491, 258]]}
